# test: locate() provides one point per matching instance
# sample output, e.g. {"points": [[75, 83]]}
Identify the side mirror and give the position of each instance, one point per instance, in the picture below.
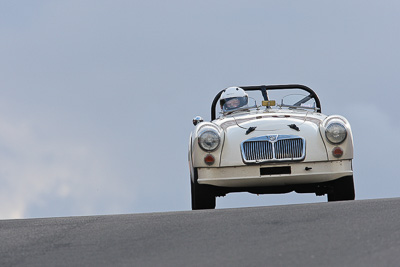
{"points": [[197, 120]]}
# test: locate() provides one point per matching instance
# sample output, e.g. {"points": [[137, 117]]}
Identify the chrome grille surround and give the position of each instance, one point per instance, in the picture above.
{"points": [[271, 148]]}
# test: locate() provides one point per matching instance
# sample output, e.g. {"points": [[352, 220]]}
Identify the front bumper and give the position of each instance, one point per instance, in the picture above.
{"points": [[252, 175]]}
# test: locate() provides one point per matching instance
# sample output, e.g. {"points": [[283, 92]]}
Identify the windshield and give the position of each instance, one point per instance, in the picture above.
{"points": [[282, 99], [295, 99]]}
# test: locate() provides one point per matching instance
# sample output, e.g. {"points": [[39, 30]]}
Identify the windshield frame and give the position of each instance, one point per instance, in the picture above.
{"points": [[264, 90]]}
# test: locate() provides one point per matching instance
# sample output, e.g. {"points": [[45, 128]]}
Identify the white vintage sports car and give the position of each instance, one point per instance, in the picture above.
{"points": [[270, 139]]}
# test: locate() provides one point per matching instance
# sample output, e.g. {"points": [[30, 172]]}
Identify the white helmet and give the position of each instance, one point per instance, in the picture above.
{"points": [[233, 98]]}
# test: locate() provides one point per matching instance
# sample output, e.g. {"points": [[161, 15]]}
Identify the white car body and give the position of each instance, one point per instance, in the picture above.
{"points": [[287, 150]]}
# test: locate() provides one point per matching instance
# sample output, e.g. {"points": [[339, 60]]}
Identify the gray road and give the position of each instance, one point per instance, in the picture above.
{"points": [[356, 233]]}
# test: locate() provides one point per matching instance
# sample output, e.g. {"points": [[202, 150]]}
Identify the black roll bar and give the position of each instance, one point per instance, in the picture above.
{"points": [[264, 89]]}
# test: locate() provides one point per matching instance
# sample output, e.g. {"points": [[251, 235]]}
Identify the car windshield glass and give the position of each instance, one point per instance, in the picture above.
{"points": [[297, 101], [271, 98], [289, 99]]}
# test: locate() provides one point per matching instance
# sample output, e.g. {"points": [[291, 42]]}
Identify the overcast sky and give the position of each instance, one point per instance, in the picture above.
{"points": [[97, 97]]}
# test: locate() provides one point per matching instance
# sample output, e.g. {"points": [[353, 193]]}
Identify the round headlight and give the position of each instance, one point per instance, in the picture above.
{"points": [[209, 140], [336, 133]]}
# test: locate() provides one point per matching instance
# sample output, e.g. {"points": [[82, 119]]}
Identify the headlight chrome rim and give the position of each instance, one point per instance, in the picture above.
{"points": [[209, 140], [336, 133]]}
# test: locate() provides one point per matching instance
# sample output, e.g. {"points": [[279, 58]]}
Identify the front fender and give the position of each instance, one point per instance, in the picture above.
{"points": [[347, 146], [197, 154]]}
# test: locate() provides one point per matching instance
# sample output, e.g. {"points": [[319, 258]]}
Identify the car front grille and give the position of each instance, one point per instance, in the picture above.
{"points": [[273, 148]]}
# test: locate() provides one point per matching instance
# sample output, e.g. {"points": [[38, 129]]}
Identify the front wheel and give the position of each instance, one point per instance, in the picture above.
{"points": [[343, 189], [202, 197]]}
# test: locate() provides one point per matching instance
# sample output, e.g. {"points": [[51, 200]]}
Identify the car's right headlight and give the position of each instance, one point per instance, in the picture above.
{"points": [[209, 140], [336, 133]]}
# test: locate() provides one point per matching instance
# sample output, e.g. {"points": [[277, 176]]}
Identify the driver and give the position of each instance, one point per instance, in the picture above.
{"points": [[233, 98]]}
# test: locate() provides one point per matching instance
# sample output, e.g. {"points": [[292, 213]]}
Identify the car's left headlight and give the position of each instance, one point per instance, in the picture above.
{"points": [[336, 133], [209, 140]]}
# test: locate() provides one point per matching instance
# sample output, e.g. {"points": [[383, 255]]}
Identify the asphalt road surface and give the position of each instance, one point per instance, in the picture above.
{"points": [[353, 233]]}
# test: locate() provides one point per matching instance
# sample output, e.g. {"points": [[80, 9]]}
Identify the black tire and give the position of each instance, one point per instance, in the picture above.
{"points": [[342, 189], [202, 197]]}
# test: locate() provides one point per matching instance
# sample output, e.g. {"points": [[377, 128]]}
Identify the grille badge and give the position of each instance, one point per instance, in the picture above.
{"points": [[272, 138]]}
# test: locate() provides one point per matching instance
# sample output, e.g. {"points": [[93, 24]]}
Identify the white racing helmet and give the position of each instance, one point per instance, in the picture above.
{"points": [[233, 98]]}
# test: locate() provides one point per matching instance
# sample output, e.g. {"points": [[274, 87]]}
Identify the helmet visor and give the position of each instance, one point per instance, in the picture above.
{"points": [[233, 103]]}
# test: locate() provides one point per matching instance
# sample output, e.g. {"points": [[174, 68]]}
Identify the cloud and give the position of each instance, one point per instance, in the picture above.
{"points": [[51, 178], [97, 98]]}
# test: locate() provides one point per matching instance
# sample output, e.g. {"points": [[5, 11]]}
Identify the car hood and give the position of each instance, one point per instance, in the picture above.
{"points": [[305, 125], [269, 121]]}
